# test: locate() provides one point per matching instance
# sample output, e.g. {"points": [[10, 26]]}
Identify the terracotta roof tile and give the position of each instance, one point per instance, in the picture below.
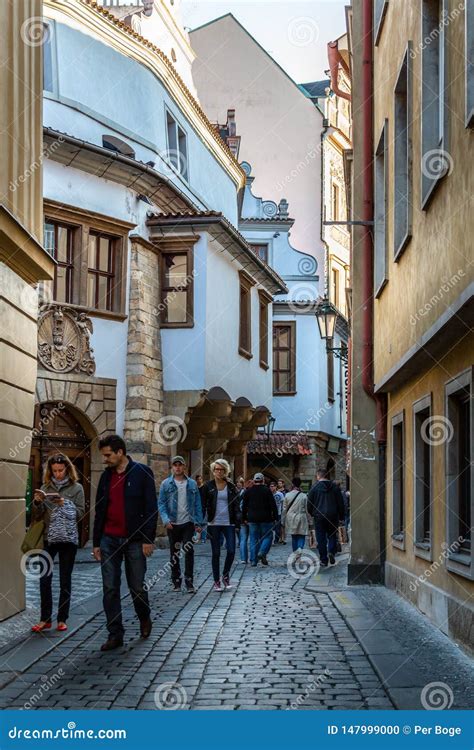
{"points": [[289, 443]]}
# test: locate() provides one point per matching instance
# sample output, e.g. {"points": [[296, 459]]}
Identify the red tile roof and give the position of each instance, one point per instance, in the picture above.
{"points": [[280, 443]]}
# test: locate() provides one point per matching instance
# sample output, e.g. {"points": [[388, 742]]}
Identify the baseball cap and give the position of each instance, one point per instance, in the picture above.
{"points": [[258, 477], [178, 460]]}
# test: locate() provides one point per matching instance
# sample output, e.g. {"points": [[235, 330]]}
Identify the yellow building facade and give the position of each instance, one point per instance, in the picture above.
{"points": [[423, 300]]}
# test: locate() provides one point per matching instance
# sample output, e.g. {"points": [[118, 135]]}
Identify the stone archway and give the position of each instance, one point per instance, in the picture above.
{"points": [[90, 404]]}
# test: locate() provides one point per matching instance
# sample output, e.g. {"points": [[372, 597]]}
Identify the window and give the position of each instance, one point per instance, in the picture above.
{"points": [[469, 54], [335, 201], [335, 287], [176, 290], [118, 145], [177, 146], [459, 475], [91, 255], [48, 74], [422, 476], [58, 241], [245, 314], [434, 159], [264, 300], [380, 9], [284, 359], [402, 158], [330, 371], [380, 210], [261, 249], [101, 272], [398, 482]]}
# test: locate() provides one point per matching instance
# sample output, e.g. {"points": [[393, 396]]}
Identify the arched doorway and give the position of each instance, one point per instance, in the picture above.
{"points": [[60, 428]]}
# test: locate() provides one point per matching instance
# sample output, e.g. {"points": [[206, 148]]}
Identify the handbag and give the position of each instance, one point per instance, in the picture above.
{"points": [[34, 537]]}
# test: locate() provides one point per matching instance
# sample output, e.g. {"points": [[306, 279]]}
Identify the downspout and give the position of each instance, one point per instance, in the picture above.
{"points": [[367, 260]]}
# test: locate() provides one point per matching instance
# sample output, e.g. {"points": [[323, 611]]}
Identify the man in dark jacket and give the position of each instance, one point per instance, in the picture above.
{"points": [[326, 505], [259, 510], [124, 529]]}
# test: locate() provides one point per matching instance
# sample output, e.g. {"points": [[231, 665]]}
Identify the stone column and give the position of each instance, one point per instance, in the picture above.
{"points": [[23, 262], [144, 399]]}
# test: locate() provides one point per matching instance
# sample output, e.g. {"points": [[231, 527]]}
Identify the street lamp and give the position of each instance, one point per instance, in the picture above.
{"points": [[326, 315], [269, 427]]}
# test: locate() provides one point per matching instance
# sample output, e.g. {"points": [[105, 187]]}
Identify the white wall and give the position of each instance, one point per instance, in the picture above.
{"points": [[100, 91], [279, 127]]}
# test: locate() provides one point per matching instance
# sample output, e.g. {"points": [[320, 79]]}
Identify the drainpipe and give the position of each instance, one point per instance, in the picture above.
{"points": [[367, 261]]}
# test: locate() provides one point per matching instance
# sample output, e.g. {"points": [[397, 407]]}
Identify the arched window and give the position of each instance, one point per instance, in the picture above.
{"points": [[116, 144]]}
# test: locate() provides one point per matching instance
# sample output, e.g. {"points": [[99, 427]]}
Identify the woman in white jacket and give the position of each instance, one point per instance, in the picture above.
{"points": [[295, 516]]}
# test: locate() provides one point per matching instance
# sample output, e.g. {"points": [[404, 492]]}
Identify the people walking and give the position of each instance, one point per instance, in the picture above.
{"points": [[279, 497], [282, 488], [259, 510], [244, 532], [124, 531], [60, 503], [326, 506], [202, 535], [221, 503], [180, 509], [295, 515]]}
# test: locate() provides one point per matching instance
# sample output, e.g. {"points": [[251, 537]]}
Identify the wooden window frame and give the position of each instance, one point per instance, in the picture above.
{"points": [[246, 283], [459, 561], [292, 325], [381, 193], [256, 245], [69, 266], [398, 485], [380, 10], [82, 223], [264, 300], [178, 248], [402, 157], [109, 274], [422, 547]]}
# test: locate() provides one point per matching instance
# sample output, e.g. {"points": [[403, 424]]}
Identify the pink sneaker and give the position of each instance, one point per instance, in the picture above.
{"points": [[217, 586], [226, 582]]}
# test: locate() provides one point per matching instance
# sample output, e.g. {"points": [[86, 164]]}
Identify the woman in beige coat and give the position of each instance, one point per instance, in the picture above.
{"points": [[295, 516]]}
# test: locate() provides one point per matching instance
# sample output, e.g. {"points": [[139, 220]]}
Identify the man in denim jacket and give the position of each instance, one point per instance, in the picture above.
{"points": [[180, 509]]}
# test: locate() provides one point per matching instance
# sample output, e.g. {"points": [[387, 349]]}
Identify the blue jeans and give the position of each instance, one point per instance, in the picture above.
{"points": [[277, 531], [215, 535], [326, 537], [261, 535], [113, 550], [298, 541], [244, 542]]}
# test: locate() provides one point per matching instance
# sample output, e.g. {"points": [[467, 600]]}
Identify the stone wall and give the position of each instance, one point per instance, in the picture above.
{"points": [[144, 399]]}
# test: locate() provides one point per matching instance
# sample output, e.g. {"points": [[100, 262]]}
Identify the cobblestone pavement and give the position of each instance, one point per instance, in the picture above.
{"points": [[272, 642]]}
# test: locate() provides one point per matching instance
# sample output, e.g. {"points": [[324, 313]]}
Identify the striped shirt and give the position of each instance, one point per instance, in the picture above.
{"points": [[63, 524]]}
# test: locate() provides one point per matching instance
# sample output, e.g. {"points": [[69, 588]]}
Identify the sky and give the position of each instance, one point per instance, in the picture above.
{"points": [[294, 33]]}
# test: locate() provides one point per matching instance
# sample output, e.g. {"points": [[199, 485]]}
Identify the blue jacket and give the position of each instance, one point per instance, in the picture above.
{"points": [[168, 501]]}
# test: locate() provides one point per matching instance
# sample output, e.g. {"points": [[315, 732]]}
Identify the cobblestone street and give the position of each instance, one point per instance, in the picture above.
{"points": [[272, 642]]}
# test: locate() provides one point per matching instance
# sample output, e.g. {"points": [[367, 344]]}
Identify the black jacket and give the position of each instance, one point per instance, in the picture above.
{"points": [[141, 511], [209, 501], [325, 501], [258, 505]]}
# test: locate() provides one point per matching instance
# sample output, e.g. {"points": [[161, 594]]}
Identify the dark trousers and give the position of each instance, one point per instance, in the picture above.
{"points": [[181, 537], [67, 555], [215, 533], [114, 550], [326, 537]]}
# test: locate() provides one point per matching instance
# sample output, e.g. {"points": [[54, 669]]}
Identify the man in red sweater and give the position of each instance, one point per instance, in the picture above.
{"points": [[124, 530]]}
